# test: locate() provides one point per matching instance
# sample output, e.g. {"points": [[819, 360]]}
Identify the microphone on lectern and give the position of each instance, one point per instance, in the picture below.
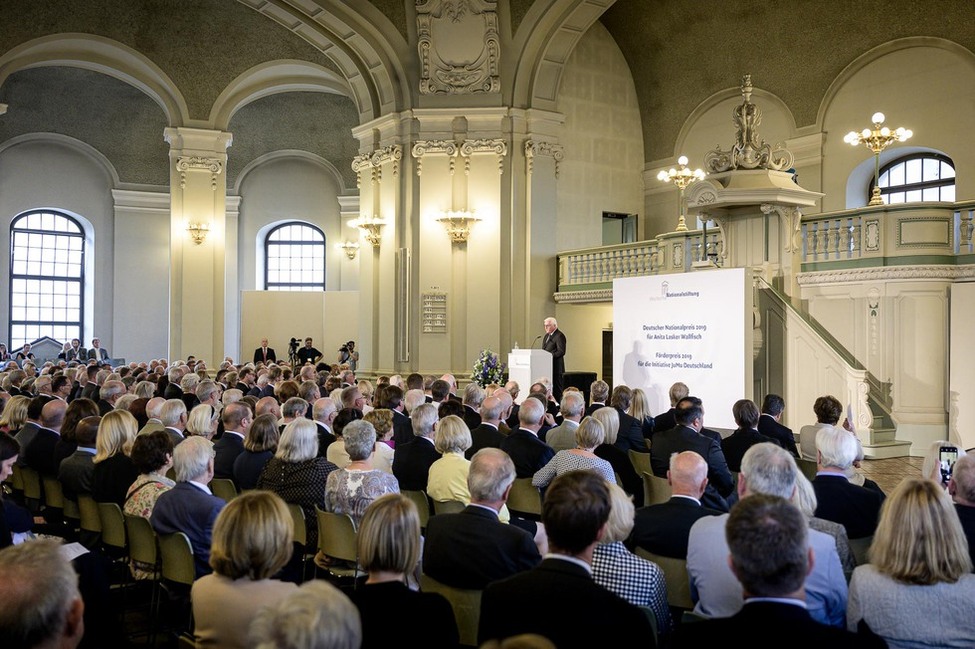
{"points": [[532, 346]]}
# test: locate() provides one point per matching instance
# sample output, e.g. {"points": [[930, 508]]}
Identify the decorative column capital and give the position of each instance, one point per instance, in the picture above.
{"points": [[534, 148], [199, 163], [375, 160]]}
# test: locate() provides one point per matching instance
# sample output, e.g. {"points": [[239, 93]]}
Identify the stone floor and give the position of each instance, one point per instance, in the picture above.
{"points": [[889, 472]]}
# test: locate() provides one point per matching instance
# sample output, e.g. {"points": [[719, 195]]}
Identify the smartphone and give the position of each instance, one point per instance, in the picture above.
{"points": [[947, 455]]}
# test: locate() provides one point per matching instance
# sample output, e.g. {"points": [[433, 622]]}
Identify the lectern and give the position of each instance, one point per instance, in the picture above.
{"points": [[527, 365]]}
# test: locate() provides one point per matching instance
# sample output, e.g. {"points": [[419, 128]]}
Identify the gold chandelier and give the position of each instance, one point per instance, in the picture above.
{"points": [[877, 139], [682, 178]]}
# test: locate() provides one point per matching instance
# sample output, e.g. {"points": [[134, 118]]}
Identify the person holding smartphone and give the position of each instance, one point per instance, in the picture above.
{"points": [[939, 461]]}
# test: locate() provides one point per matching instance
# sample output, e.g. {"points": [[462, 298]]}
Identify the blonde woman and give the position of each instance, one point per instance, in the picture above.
{"points": [[252, 540], [114, 471], [203, 421], [589, 435], [917, 590], [448, 476], [14, 415], [382, 420], [389, 549], [640, 410], [618, 458]]}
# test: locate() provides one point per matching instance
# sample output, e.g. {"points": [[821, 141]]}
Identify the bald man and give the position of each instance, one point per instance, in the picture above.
{"points": [[153, 411], [39, 453], [663, 529]]}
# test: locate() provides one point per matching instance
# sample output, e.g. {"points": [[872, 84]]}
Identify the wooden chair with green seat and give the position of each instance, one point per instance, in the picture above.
{"points": [[422, 503], [337, 539], [448, 506], [90, 523], [114, 538], [53, 497], [33, 495], [178, 568], [465, 603], [301, 536], [640, 461], [143, 549], [861, 548], [675, 574], [17, 481], [525, 498], [808, 468], [223, 488], [655, 490]]}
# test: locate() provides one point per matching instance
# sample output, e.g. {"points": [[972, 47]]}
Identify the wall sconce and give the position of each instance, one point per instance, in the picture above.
{"points": [[198, 231], [350, 248], [459, 224], [371, 228]]}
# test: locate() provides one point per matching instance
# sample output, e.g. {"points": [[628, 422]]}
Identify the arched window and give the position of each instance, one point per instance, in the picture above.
{"points": [[916, 178], [47, 277], [294, 258]]}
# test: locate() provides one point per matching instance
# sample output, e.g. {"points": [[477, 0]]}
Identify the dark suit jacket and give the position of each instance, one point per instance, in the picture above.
{"points": [[683, 438], [735, 445], [967, 517], [99, 354], [227, 448], [471, 417], [543, 600], [402, 428], [325, 438], [777, 623], [630, 435], [665, 420], [555, 344], [663, 529], [175, 435], [39, 453], [411, 463], [512, 419], [112, 478], [854, 507], [188, 509], [527, 452], [484, 436], [472, 548], [593, 407], [105, 407], [783, 436], [620, 460], [77, 473], [259, 355], [172, 391]]}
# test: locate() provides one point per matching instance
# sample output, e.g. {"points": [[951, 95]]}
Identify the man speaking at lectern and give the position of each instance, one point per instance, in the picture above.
{"points": [[554, 342]]}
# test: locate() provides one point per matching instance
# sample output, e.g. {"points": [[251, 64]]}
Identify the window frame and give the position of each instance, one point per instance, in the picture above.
{"points": [[915, 186], [294, 286], [81, 280]]}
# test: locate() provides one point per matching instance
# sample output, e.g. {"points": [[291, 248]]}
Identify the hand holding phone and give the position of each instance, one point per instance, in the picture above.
{"points": [[947, 456]]}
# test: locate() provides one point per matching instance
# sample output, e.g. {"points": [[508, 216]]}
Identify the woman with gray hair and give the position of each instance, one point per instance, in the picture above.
{"points": [[297, 474], [351, 489], [589, 435]]}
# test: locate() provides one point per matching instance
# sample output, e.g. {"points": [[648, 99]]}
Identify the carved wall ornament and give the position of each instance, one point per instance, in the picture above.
{"points": [[374, 162], [594, 295], [885, 273], [425, 147], [791, 219], [496, 146], [678, 256], [534, 148], [199, 163], [749, 150], [459, 46], [873, 235], [707, 198]]}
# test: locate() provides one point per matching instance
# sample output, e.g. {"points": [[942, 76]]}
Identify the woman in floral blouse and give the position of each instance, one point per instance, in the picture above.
{"points": [[152, 455]]}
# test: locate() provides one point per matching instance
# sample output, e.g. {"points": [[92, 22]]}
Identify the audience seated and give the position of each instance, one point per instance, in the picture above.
{"points": [[769, 424], [448, 475], [236, 419], [473, 398], [190, 507], [382, 420], [734, 446], [667, 420], [114, 472], [488, 433], [856, 508], [618, 459], [805, 501], [961, 487], [316, 616], [77, 471], [630, 435], [411, 461], [766, 469], [39, 452], [298, 475], [381, 458], [152, 456], [574, 512], [472, 548], [527, 451], [349, 490], [589, 435], [68, 442], [563, 436], [770, 559], [640, 410], [918, 588], [638, 581], [389, 549], [259, 446], [663, 528], [252, 540]]}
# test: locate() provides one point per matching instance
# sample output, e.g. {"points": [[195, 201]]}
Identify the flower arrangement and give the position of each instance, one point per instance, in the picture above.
{"points": [[489, 369]]}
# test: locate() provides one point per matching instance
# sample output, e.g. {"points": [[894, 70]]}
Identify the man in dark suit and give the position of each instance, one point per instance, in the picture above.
{"points": [[173, 417], [27, 432], [527, 451], [770, 556], [598, 395], [392, 398], [734, 446], [487, 434], [172, 390], [663, 529], [236, 419], [768, 424], [855, 508], [961, 487], [108, 394], [78, 469], [630, 435], [264, 354], [554, 343], [411, 461], [575, 511], [323, 412], [668, 420], [97, 352], [686, 437], [190, 507], [473, 397], [76, 352], [473, 548], [39, 453]]}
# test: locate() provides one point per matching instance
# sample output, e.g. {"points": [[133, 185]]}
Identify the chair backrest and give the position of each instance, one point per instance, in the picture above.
{"points": [[525, 497], [675, 574], [53, 493], [142, 540], [113, 525], [860, 548], [223, 488], [177, 558], [88, 513], [808, 468], [71, 509], [298, 518], [17, 478], [337, 536], [422, 503], [448, 506], [655, 490], [640, 461], [32, 483], [465, 603]]}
